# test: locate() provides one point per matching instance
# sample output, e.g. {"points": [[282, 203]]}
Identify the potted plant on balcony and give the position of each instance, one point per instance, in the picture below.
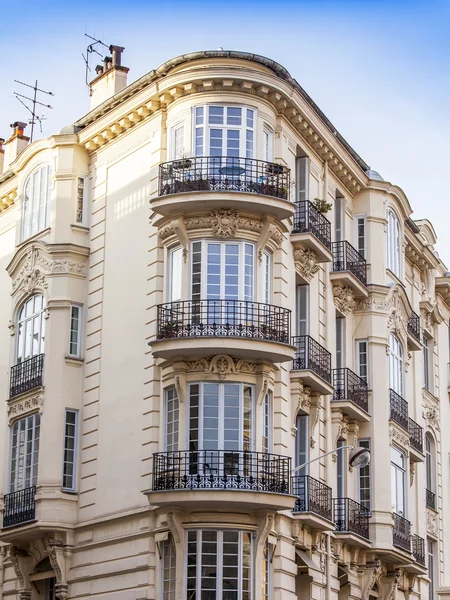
{"points": [[322, 205], [274, 169], [182, 163], [169, 329]]}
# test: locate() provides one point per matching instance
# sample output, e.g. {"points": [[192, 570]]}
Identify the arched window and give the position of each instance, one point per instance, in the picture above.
{"points": [[430, 465], [31, 328], [393, 243], [36, 199], [395, 364]]}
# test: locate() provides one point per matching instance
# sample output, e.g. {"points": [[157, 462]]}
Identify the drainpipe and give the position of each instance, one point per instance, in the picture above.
{"points": [[2, 570]]}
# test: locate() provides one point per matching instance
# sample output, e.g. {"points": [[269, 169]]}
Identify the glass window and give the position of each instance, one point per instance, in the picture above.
{"points": [[393, 243], [340, 342], [429, 462], [341, 461], [266, 275], [364, 479], [31, 329], [431, 570], [176, 274], [398, 481], [50, 589], [338, 219], [75, 331], [81, 189], [178, 142], [302, 309], [226, 131], [395, 365], [427, 353], [267, 422], [302, 443], [24, 453], [172, 419], [168, 558], [36, 199], [219, 565], [362, 359], [302, 174], [70, 450], [266, 572], [361, 235], [267, 145]]}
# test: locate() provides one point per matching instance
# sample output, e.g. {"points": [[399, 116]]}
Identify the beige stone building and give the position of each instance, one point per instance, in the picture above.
{"points": [[202, 288]]}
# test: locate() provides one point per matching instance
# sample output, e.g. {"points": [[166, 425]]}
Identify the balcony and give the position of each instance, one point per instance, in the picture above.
{"points": [[418, 549], [352, 520], [260, 480], [189, 185], [349, 268], [19, 507], [415, 440], [314, 502], [430, 499], [238, 327], [26, 376], [401, 534], [312, 364], [414, 341], [351, 394], [312, 230], [399, 410]]}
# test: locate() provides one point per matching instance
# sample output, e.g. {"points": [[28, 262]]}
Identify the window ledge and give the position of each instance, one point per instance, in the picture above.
{"points": [[71, 492], [77, 228], [395, 277], [73, 361], [34, 237]]}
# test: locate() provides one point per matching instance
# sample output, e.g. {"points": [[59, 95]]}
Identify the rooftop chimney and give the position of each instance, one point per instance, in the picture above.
{"points": [[15, 144], [111, 77]]}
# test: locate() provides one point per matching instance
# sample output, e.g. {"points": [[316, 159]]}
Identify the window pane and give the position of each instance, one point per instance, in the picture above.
{"points": [[35, 206], [216, 115], [234, 116]]}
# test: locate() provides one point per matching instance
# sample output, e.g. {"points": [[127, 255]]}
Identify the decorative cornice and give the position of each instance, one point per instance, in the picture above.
{"points": [[343, 298], [305, 261], [223, 223], [222, 365], [17, 408]]}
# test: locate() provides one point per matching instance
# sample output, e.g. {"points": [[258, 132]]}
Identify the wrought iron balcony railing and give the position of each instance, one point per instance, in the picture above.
{"points": [[221, 469], [223, 318], [312, 356], [347, 258], [26, 375], [308, 219], [414, 325], [399, 409], [415, 435], [351, 517], [401, 535], [224, 173], [312, 496], [20, 507], [349, 386], [430, 499], [418, 549]]}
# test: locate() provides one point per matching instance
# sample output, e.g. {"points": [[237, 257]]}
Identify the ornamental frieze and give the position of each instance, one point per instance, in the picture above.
{"points": [[222, 365], [223, 223], [16, 408]]}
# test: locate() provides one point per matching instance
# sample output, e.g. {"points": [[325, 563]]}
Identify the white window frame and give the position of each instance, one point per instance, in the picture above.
{"points": [[219, 560], [34, 207], [266, 569], [427, 363], [175, 412], [396, 365], [267, 422], [394, 243], [267, 143], [359, 364], [302, 434], [71, 488], [175, 155], [361, 248], [394, 480], [340, 342], [302, 301], [76, 354], [365, 443], [341, 471], [339, 219], [431, 564], [168, 553], [301, 178], [430, 463], [243, 282], [206, 126], [266, 277], [23, 322], [81, 200], [175, 256], [30, 461]]}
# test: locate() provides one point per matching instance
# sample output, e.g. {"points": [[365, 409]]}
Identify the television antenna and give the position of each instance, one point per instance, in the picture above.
{"points": [[91, 49], [35, 118]]}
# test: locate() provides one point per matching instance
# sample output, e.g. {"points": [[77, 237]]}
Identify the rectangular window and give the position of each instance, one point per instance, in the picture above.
{"points": [[178, 142], [302, 172], [398, 481], [362, 359], [267, 145], [302, 309], [24, 453], [81, 188], [168, 558], [265, 270], [266, 574], [199, 131], [302, 444], [364, 479], [267, 423], [431, 569], [172, 420], [338, 219], [427, 353], [340, 470], [70, 450], [176, 274], [361, 235], [219, 564], [75, 331], [224, 131], [340, 342]]}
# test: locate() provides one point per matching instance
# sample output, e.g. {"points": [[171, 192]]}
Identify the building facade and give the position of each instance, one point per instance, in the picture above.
{"points": [[207, 299]]}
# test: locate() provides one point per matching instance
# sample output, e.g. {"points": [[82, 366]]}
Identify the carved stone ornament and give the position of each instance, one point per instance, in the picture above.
{"points": [[432, 523], [399, 436], [166, 231], [21, 407], [222, 365], [343, 298], [59, 555], [398, 320], [371, 577], [431, 414], [305, 263], [224, 223], [21, 562]]}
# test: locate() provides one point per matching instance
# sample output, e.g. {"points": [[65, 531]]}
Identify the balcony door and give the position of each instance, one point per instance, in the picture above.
{"points": [[220, 428], [398, 482], [30, 329]]}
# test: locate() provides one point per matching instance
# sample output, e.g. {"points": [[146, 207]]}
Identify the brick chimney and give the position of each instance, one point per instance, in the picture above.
{"points": [[15, 144], [111, 77]]}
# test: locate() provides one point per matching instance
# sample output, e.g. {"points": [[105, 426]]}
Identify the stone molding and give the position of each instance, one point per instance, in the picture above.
{"points": [[22, 406]]}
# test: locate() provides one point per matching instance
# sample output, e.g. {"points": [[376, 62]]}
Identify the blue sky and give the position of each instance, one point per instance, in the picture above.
{"points": [[380, 70]]}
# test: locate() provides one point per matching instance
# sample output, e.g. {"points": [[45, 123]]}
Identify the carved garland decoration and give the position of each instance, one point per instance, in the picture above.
{"points": [[224, 223], [343, 298], [305, 263], [222, 365]]}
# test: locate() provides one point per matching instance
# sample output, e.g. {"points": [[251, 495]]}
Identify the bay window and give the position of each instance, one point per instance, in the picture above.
{"points": [[267, 144], [224, 131], [177, 141], [219, 565], [398, 482], [24, 453], [36, 199], [30, 329], [362, 359], [364, 479], [393, 243]]}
